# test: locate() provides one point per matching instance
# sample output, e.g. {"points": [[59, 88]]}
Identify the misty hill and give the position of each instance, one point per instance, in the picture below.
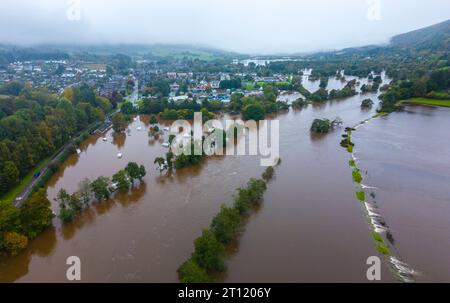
{"points": [[9, 53], [432, 37], [435, 38]]}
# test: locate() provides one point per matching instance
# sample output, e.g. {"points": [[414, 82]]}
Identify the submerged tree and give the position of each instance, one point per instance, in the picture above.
{"points": [[100, 188], [121, 180]]}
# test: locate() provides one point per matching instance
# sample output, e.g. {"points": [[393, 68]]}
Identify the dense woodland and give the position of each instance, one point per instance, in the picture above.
{"points": [[34, 124]]}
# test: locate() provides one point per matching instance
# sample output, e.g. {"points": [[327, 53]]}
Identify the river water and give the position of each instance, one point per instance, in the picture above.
{"points": [[310, 227]]}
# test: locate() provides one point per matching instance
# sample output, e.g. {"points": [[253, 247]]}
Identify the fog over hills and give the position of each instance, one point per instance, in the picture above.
{"points": [[252, 27]]}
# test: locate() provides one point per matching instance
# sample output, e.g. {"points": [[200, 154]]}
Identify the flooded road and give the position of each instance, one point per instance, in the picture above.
{"points": [[310, 227]]}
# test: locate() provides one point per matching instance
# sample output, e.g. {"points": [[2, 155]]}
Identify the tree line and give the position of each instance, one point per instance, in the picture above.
{"points": [[209, 253], [99, 190]]}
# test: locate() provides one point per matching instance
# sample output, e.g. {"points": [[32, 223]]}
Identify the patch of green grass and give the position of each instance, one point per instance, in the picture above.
{"points": [[13, 193], [379, 115], [383, 249], [361, 196], [434, 102], [357, 175], [350, 148], [377, 237]]}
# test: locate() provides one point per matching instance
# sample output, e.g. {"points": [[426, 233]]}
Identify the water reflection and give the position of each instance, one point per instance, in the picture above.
{"points": [[119, 140]]}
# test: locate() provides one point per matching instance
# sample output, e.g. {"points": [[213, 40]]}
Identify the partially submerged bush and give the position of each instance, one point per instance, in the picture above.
{"points": [[321, 126], [367, 103], [190, 272], [268, 173]]}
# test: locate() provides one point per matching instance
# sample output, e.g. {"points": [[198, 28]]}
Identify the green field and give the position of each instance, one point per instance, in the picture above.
{"points": [[13, 193], [435, 102]]}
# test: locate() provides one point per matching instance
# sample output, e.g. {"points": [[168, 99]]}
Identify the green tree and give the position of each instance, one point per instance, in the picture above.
{"points": [[119, 122], [10, 175], [209, 252], [153, 119], [160, 162], [127, 108], [135, 172], [190, 272], [100, 188], [36, 214], [225, 224], [268, 173], [321, 126], [121, 180], [14, 242], [9, 217], [85, 191], [75, 203], [66, 214], [253, 112]]}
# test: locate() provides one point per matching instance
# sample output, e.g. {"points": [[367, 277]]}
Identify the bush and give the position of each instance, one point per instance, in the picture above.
{"points": [[36, 214], [209, 253], [190, 272], [253, 112], [268, 173], [14, 242], [225, 224], [66, 214], [299, 103], [361, 196], [250, 196], [367, 103], [321, 126], [356, 175]]}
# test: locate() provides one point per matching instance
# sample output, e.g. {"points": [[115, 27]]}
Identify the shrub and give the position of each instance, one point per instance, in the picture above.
{"points": [[67, 214], [190, 272], [225, 224], [361, 196], [321, 126], [209, 252], [367, 103], [356, 175], [253, 112], [299, 103], [14, 242], [268, 173]]}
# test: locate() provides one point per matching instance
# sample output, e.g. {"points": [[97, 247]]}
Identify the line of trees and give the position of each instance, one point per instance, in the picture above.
{"points": [[209, 253], [99, 190]]}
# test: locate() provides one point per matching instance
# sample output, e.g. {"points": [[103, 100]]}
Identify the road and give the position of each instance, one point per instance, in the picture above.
{"points": [[134, 97], [23, 196]]}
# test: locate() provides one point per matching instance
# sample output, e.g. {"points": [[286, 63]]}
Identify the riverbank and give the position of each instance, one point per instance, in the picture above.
{"points": [[425, 101]]}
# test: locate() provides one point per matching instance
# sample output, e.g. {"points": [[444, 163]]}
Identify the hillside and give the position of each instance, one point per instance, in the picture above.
{"points": [[432, 37]]}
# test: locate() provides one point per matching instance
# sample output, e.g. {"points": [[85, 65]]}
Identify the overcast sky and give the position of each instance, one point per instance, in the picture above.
{"points": [[251, 26]]}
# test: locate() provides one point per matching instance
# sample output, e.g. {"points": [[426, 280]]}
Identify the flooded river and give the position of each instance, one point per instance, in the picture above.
{"points": [[310, 227]]}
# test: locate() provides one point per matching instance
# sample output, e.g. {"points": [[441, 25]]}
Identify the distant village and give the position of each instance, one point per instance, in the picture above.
{"points": [[56, 75]]}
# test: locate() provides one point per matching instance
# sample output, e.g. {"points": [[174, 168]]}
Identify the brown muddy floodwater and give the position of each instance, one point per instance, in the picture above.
{"points": [[407, 159], [310, 227]]}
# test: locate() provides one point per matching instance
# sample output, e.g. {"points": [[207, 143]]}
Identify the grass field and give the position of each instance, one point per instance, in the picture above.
{"points": [[12, 194], [435, 102]]}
